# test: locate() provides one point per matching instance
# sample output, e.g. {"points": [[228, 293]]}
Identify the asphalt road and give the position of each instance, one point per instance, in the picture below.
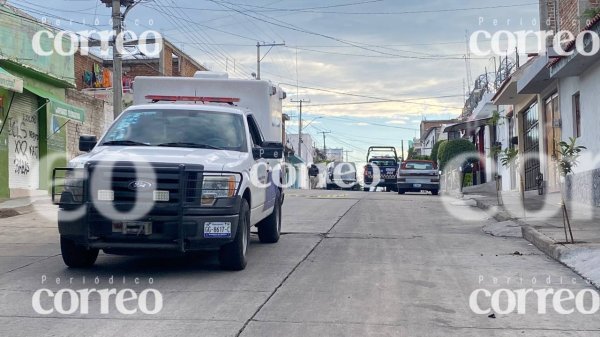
{"points": [[349, 264]]}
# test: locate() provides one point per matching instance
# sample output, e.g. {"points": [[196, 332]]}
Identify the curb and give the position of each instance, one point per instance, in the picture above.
{"points": [[499, 214], [545, 244]]}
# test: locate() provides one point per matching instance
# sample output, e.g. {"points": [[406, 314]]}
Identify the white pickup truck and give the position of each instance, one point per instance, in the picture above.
{"points": [[193, 165]]}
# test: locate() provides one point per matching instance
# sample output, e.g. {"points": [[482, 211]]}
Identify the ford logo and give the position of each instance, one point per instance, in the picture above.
{"points": [[140, 185]]}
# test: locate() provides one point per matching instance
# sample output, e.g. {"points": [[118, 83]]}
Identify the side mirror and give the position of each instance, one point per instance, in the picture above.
{"points": [[87, 143], [268, 150]]}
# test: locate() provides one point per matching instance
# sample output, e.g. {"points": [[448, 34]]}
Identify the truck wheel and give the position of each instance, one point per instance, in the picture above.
{"points": [[76, 256], [401, 191], [270, 228], [366, 189], [232, 256], [435, 192]]}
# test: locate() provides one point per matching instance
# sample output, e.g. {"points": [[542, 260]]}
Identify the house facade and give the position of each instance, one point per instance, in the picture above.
{"points": [[40, 113]]}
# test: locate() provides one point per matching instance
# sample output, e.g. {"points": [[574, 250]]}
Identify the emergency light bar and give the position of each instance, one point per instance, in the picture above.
{"points": [[158, 98]]}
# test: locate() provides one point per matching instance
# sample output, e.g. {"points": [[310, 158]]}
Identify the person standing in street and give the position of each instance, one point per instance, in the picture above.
{"points": [[313, 174]]}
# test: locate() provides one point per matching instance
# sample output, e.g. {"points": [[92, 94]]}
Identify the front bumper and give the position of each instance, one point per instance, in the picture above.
{"points": [[174, 228]]}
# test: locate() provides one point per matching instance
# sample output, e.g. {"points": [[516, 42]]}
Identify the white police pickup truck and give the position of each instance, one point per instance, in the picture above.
{"points": [[193, 165]]}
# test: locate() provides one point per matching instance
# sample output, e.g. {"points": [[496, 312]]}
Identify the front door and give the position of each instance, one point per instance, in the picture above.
{"points": [[531, 148], [553, 134]]}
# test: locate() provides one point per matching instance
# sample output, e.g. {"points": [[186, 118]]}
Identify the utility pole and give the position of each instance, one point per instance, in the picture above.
{"points": [[117, 19], [402, 150], [301, 101], [324, 133], [259, 59], [117, 62]]}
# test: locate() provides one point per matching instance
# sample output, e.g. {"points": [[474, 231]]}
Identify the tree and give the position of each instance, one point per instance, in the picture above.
{"points": [[455, 148], [508, 158], [569, 159], [435, 150], [320, 156], [412, 154], [441, 152]]}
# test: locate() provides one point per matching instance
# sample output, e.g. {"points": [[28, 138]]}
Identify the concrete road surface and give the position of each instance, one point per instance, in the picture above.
{"points": [[348, 264]]}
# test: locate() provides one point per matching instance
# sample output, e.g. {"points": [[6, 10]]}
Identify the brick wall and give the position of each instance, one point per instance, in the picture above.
{"points": [[83, 63], [187, 68], [149, 68], [136, 68], [167, 56], [98, 116], [569, 16], [572, 14]]}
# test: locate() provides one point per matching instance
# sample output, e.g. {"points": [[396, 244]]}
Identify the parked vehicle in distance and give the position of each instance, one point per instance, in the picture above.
{"points": [[417, 176], [341, 175], [387, 165], [187, 154]]}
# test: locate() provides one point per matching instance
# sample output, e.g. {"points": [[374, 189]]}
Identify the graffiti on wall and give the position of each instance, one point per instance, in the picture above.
{"points": [[24, 141]]}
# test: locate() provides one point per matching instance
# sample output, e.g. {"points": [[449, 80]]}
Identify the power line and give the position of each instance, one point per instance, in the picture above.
{"points": [[406, 101], [390, 56], [262, 9], [168, 13], [282, 24]]}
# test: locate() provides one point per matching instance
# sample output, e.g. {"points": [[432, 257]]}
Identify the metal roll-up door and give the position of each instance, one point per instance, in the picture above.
{"points": [[23, 143]]}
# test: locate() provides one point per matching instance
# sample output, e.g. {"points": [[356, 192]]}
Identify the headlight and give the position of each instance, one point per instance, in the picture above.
{"points": [[73, 183], [214, 187]]}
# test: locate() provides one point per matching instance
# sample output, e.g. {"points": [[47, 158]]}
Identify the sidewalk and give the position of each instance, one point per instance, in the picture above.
{"points": [[541, 224], [20, 206]]}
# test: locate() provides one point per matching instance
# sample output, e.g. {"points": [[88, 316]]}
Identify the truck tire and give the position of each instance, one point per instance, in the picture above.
{"points": [[232, 256], [401, 191], [269, 229], [366, 189], [435, 192], [76, 256]]}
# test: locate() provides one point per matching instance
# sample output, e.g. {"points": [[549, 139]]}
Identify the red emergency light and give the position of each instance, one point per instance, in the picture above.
{"points": [[158, 98]]}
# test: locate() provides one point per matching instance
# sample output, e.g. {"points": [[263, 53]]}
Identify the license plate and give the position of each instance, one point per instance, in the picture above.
{"points": [[133, 227], [416, 185], [390, 171], [217, 229]]}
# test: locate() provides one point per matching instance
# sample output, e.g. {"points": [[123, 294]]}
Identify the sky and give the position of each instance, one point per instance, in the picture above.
{"points": [[345, 56]]}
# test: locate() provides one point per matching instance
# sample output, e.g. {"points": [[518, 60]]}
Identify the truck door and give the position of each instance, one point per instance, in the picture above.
{"points": [[261, 170]]}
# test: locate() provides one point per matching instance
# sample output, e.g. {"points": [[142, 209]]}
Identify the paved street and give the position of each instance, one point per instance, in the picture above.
{"points": [[349, 264]]}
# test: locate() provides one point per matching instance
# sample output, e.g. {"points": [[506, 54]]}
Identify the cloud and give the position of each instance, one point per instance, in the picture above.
{"points": [[397, 122]]}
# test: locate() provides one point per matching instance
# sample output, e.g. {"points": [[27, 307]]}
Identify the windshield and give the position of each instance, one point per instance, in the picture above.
{"points": [[383, 162], [178, 128], [418, 166]]}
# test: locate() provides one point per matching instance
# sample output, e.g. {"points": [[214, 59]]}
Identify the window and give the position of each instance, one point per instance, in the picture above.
{"points": [[418, 166], [576, 115], [255, 134]]}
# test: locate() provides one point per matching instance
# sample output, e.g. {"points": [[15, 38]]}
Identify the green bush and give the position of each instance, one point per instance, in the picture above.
{"points": [[453, 149], [441, 152], [435, 150]]}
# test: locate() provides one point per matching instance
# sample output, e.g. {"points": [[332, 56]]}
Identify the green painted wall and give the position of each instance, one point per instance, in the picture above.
{"points": [[16, 34], [53, 149], [4, 193], [52, 146]]}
